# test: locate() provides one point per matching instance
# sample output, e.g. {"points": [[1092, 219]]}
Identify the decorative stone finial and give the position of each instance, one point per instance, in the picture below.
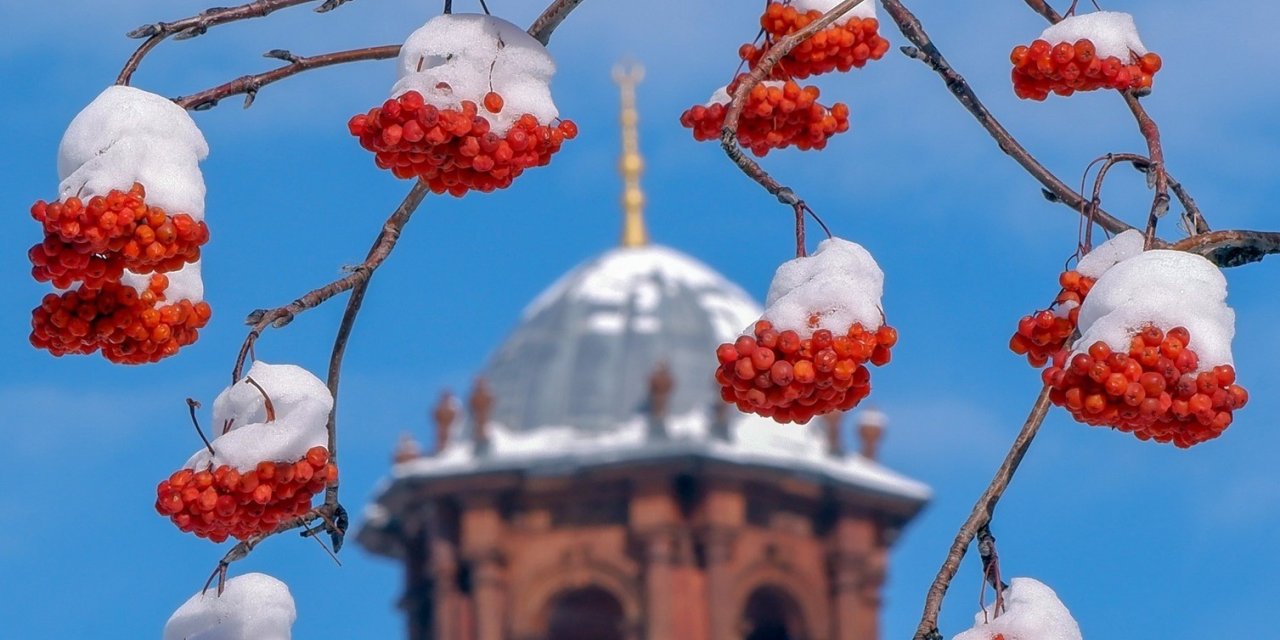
{"points": [[407, 449], [831, 421], [634, 233], [444, 414], [481, 405], [871, 431]]}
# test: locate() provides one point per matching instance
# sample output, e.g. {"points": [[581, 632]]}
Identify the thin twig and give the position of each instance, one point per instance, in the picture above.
{"points": [[980, 516], [925, 51], [266, 399], [551, 17], [386, 241], [198, 24], [250, 85], [991, 566], [324, 513], [192, 405]]}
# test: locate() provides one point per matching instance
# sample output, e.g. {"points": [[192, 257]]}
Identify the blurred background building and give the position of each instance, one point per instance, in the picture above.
{"points": [[593, 486]]}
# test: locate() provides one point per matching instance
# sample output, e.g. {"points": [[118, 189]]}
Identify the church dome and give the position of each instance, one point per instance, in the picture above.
{"points": [[585, 348]]}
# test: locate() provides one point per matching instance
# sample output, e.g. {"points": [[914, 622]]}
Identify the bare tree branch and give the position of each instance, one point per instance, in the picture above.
{"points": [[382, 246], [1232, 248], [925, 51], [979, 518], [198, 24], [251, 84]]}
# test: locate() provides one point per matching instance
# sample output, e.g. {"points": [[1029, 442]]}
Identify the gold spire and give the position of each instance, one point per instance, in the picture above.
{"points": [[634, 233]]}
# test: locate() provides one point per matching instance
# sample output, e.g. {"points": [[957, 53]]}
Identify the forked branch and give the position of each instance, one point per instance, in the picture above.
{"points": [[250, 85], [198, 24]]}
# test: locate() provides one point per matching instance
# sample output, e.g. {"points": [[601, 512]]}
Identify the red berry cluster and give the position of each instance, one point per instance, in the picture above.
{"points": [[839, 47], [1043, 333], [1065, 68], [1154, 391], [129, 327], [453, 150], [94, 242], [225, 503], [772, 118], [779, 375]]}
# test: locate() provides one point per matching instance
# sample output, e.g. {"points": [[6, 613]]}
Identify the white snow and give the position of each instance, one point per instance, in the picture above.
{"points": [[127, 135], [840, 283], [302, 404], [1167, 289], [1123, 246], [184, 284], [753, 440], [864, 9], [456, 57], [1112, 33], [1032, 612], [253, 606]]}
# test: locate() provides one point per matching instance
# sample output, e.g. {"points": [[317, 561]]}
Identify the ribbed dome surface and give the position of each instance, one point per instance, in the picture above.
{"points": [[585, 348]]}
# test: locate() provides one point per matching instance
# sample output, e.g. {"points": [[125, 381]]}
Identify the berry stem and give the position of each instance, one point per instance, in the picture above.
{"points": [[266, 399], [192, 405], [198, 24], [981, 515]]}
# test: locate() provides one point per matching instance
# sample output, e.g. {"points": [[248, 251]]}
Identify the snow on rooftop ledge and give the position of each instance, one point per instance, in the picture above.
{"points": [[1032, 612], [1112, 33], [253, 606]]}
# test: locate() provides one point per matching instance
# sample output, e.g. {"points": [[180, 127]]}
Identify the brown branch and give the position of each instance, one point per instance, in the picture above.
{"points": [[980, 517], [925, 51], [385, 242], [198, 24], [729, 132], [551, 17], [1232, 248], [325, 513], [250, 85]]}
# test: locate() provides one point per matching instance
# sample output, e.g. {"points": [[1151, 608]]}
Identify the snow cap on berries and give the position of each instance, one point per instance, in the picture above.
{"points": [[1106, 255], [1032, 611], [456, 57], [301, 403], [839, 285], [1112, 33], [1163, 288], [119, 113], [254, 605], [864, 9], [184, 284]]}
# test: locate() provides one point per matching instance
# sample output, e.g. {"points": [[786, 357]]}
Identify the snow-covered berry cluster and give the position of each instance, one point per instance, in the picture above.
{"points": [[841, 46], [123, 239], [808, 353], [266, 466], [1032, 611], [472, 109], [1154, 353], [779, 113], [1099, 50]]}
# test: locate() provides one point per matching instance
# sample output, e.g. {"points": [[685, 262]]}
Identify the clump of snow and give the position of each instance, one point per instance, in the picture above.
{"points": [[1167, 289], [1112, 33], [1032, 612], [252, 606], [127, 135], [456, 57], [840, 284], [184, 284], [301, 402], [864, 9], [1106, 255]]}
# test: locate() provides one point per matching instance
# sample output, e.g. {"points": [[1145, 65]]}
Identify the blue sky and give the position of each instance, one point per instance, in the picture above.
{"points": [[1140, 541]]}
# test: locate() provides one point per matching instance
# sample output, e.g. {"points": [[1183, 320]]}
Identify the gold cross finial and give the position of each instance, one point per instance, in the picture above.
{"points": [[634, 233]]}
